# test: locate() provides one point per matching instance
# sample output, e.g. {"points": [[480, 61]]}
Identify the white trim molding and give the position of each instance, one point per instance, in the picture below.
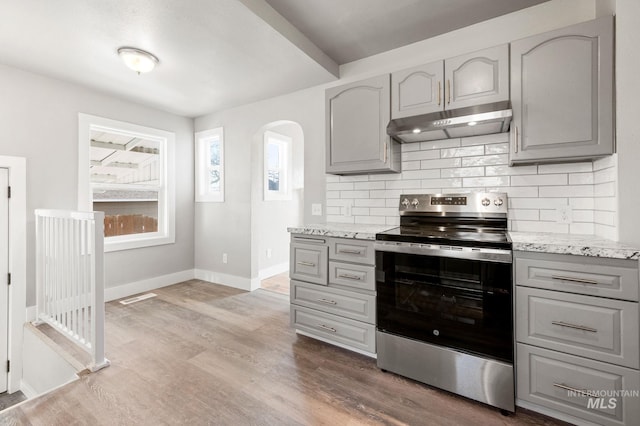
{"points": [[273, 270], [17, 264], [129, 289], [242, 283]]}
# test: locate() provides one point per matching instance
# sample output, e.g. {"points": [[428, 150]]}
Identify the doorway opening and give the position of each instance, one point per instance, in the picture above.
{"points": [[278, 199]]}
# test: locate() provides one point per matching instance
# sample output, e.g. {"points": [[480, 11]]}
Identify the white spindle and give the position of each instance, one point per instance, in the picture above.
{"points": [[70, 277]]}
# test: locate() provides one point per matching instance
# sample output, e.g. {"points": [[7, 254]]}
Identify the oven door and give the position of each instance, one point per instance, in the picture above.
{"points": [[464, 304]]}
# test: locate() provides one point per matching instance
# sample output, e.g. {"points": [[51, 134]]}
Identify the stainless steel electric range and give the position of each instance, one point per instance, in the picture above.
{"points": [[444, 295]]}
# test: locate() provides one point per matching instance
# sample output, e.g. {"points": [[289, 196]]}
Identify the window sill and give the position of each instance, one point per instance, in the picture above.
{"points": [[127, 242]]}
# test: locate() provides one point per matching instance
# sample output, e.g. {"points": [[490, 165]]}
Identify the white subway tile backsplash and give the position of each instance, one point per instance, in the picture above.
{"points": [[445, 143], [485, 139], [565, 168], [497, 148], [563, 191], [369, 185], [440, 164], [370, 202], [581, 228], [370, 220], [421, 174], [420, 155], [485, 160], [468, 151], [511, 171], [462, 172], [339, 186], [485, 181], [403, 184], [442, 183], [354, 194], [481, 164], [539, 180], [580, 178]]}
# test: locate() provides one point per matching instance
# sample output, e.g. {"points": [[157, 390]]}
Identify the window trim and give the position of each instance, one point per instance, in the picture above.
{"points": [[202, 159], [285, 157], [166, 196]]}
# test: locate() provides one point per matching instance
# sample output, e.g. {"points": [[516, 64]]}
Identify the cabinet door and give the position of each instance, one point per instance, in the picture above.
{"points": [[309, 262], [477, 78], [562, 94], [357, 115], [417, 90]]}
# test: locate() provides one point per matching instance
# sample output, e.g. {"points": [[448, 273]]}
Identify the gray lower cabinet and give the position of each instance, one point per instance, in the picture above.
{"points": [[342, 309], [562, 94], [357, 115], [577, 339]]}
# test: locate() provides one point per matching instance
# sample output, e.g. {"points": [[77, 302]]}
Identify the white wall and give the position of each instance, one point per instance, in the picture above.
{"points": [[271, 218], [628, 124], [39, 121], [226, 227]]}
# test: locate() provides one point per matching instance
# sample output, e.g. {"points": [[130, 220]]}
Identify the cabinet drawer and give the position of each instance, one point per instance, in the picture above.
{"points": [[358, 306], [548, 378], [354, 276], [602, 329], [333, 328], [615, 278], [309, 262], [351, 250]]}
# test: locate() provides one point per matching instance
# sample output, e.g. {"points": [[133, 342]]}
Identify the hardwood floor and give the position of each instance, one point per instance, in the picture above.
{"points": [[278, 283], [201, 354]]}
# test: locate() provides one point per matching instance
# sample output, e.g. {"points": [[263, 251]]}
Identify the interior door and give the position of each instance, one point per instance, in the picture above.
{"points": [[4, 272]]}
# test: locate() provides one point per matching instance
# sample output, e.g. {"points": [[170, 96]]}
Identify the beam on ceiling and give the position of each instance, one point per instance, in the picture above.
{"points": [[268, 14]]}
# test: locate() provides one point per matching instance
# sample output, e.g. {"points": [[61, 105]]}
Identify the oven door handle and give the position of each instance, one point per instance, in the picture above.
{"points": [[457, 252]]}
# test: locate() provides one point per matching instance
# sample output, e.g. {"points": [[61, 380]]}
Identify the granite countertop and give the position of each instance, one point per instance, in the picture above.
{"points": [[582, 245], [341, 230]]}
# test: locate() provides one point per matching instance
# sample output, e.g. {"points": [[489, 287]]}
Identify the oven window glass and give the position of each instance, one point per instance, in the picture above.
{"points": [[457, 303]]}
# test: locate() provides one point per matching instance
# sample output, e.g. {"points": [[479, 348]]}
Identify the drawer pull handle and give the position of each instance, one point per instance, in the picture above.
{"points": [[326, 327], [580, 391], [350, 251], [303, 263], [577, 327], [350, 277], [309, 240], [328, 302], [575, 280]]}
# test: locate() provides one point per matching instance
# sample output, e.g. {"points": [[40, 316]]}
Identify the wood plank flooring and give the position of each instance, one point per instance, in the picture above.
{"points": [[204, 354], [278, 283]]}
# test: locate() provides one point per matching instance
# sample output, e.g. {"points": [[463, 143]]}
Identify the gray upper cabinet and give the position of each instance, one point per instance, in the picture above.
{"points": [[357, 115], [562, 94], [472, 79]]}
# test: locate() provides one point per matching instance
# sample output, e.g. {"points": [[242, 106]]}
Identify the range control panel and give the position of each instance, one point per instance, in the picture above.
{"points": [[474, 202]]}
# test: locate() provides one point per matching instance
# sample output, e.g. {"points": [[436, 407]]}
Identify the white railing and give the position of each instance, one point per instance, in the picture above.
{"points": [[70, 277]]}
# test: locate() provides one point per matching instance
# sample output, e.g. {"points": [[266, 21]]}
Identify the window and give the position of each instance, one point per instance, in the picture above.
{"points": [[277, 166], [126, 171], [210, 165]]}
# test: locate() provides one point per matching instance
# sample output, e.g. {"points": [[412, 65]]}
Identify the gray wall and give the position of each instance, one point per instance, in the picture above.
{"points": [[39, 121]]}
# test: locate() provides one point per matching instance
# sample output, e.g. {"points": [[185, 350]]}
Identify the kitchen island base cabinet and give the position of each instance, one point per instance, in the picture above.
{"points": [[333, 299]]}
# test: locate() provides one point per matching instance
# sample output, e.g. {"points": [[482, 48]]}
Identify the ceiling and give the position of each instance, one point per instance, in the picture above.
{"points": [[216, 54]]}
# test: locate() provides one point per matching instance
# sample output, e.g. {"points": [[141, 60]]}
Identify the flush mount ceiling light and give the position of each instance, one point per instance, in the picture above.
{"points": [[138, 59]]}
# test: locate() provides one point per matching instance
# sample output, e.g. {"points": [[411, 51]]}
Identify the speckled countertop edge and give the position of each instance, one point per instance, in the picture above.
{"points": [[341, 230], [580, 245]]}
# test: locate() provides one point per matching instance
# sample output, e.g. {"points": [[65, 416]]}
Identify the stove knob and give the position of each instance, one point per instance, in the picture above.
{"points": [[405, 203], [498, 202], [486, 202], [415, 203]]}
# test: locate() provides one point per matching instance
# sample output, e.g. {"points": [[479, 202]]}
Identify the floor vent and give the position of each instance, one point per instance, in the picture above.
{"points": [[138, 298]]}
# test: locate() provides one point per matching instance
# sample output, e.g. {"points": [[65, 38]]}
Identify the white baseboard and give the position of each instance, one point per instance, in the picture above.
{"points": [[31, 313], [242, 283], [126, 290], [273, 270], [27, 390]]}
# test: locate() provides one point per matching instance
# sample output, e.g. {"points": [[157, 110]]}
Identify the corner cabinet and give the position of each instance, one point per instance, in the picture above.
{"points": [[357, 115], [476, 78], [562, 94]]}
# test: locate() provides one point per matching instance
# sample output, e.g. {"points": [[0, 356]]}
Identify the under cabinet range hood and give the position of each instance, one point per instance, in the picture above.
{"points": [[456, 123]]}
